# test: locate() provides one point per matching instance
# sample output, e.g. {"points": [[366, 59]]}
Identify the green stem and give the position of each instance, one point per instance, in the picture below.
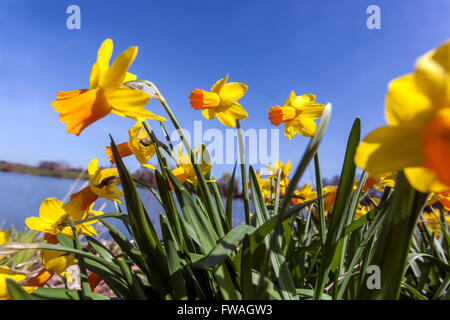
{"points": [[243, 172]]}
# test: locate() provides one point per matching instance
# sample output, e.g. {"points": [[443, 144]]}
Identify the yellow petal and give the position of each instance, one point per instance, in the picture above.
{"points": [[217, 87], [92, 169], [432, 74], [406, 103], [233, 91], [311, 110], [298, 101], [51, 210], [290, 100], [82, 109], [226, 118], [301, 125], [115, 76], [389, 149], [130, 77], [4, 236], [424, 180], [130, 103], [102, 64], [209, 113]]}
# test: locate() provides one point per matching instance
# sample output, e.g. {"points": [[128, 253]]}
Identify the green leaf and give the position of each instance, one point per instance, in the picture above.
{"points": [[393, 244], [338, 218], [143, 230], [63, 294], [224, 248], [17, 292]]}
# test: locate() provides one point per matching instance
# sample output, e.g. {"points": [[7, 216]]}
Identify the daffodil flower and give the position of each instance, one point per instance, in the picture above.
{"points": [[298, 114], [6, 273], [106, 93], [139, 144], [305, 193], [433, 223], [442, 197], [417, 136], [102, 184], [221, 102], [53, 218], [285, 170], [361, 210], [185, 170]]}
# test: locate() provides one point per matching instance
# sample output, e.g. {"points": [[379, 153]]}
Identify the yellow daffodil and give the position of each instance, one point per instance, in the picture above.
{"points": [[106, 93], [52, 217], [376, 182], [139, 144], [433, 223], [442, 197], [102, 184], [285, 170], [361, 210], [221, 102], [298, 114], [4, 236], [6, 273], [305, 193], [185, 171], [416, 138], [329, 196]]}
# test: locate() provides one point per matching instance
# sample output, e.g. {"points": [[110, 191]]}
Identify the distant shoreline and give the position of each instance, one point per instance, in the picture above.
{"points": [[68, 173]]}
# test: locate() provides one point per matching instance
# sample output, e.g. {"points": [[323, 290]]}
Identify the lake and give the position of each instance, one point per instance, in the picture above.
{"points": [[21, 196]]}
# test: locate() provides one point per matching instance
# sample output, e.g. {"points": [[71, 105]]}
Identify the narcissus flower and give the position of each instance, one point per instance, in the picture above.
{"points": [[442, 197], [102, 184], [185, 171], [417, 136], [221, 102], [298, 114], [433, 223], [6, 273], [106, 94], [139, 144], [285, 169], [52, 218], [305, 193]]}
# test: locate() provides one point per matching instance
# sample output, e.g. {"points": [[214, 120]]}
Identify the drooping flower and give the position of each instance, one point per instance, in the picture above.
{"points": [[6, 273], [417, 136], [298, 114], [106, 94], [102, 184], [221, 102], [304, 194], [185, 170], [53, 218], [139, 144]]}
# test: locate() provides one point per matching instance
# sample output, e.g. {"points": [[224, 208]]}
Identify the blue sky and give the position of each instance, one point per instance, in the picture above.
{"points": [[319, 47]]}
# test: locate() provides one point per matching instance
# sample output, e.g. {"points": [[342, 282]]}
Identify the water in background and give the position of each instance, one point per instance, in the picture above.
{"points": [[21, 196]]}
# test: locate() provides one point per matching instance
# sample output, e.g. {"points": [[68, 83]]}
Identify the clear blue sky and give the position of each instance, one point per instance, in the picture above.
{"points": [[320, 47]]}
